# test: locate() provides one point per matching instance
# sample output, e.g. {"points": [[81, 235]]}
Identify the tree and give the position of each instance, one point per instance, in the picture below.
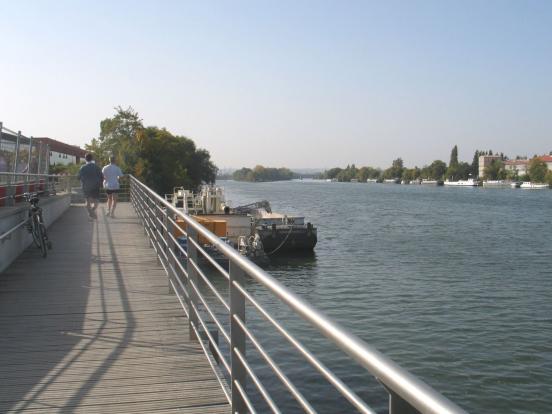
{"points": [[396, 169], [454, 157], [453, 172], [438, 169], [119, 136], [463, 171], [367, 172], [537, 170], [262, 174], [493, 170], [157, 157], [475, 164], [548, 177]]}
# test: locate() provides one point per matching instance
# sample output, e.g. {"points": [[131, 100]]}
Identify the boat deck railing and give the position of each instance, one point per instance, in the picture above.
{"points": [[188, 279]]}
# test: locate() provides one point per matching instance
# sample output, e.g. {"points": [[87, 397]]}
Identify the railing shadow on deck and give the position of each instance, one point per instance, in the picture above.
{"points": [[35, 345], [48, 366]]}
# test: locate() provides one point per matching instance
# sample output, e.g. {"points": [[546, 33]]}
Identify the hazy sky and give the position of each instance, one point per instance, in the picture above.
{"points": [[297, 84]]}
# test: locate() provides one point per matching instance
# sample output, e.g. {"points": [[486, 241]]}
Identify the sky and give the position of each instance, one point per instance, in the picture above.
{"points": [[301, 84]]}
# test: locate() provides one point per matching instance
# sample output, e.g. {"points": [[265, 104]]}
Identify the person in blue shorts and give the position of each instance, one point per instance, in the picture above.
{"points": [[91, 178], [111, 173]]}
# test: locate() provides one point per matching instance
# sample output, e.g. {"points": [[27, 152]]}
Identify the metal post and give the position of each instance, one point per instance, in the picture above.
{"points": [[29, 156], [16, 158], [237, 337], [170, 248], [28, 178], [39, 161], [192, 278]]}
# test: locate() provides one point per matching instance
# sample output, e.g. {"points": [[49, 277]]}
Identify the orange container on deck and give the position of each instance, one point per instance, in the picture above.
{"points": [[218, 227]]}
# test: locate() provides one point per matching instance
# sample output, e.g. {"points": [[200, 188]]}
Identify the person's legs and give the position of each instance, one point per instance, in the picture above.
{"points": [[113, 203], [109, 203], [89, 202], [95, 203]]}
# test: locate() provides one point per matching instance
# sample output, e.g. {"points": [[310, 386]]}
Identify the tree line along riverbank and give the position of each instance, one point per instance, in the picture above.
{"points": [[536, 170]]}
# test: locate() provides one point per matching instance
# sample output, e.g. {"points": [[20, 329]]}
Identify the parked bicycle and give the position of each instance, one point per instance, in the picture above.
{"points": [[36, 226]]}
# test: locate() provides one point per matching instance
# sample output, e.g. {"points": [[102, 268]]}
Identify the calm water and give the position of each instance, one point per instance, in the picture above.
{"points": [[454, 284]]}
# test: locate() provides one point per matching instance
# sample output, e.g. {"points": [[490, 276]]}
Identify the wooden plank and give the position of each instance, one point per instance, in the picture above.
{"points": [[92, 328]]}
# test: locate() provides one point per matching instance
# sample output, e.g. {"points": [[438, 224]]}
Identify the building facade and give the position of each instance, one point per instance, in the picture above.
{"points": [[62, 153], [519, 166]]}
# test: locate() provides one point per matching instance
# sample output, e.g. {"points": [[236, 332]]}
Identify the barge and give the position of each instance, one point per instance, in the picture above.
{"points": [[253, 229]]}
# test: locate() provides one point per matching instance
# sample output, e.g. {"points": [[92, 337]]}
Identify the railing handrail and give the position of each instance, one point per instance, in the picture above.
{"points": [[33, 174], [395, 378]]}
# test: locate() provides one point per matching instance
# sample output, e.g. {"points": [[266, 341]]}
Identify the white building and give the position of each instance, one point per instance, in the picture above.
{"points": [[62, 153]]}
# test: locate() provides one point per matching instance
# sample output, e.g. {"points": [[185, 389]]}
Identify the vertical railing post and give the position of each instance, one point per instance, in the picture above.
{"points": [[237, 337], [16, 157], [30, 155], [10, 190], [192, 279], [170, 247]]}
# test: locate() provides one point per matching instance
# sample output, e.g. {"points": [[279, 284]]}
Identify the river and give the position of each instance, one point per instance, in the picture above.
{"points": [[454, 284]]}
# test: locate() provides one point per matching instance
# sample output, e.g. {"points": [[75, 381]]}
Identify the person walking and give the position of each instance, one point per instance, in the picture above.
{"points": [[111, 173], [91, 178]]}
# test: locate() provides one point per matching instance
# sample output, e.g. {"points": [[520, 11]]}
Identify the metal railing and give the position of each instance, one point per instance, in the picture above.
{"points": [[407, 394], [21, 154], [14, 185], [13, 188]]}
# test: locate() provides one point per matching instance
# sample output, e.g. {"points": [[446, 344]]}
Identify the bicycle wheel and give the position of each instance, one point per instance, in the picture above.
{"points": [[42, 237], [35, 224]]}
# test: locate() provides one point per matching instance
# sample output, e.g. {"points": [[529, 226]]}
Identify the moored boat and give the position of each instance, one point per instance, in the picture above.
{"points": [[253, 228], [470, 182], [496, 184], [534, 186]]}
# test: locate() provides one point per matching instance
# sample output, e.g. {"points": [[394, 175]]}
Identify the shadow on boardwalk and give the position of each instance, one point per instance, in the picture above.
{"points": [[92, 328]]}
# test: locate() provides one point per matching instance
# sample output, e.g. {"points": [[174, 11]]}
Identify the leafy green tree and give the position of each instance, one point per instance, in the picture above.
{"points": [[367, 172], [475, 164], [243, 174], [537, 170], [463, 171], [454, 157], [548, 177], [157, 157], [493, 170], [437, 169], [262, 174], [410, 174], [396, 169], [454, 172]]}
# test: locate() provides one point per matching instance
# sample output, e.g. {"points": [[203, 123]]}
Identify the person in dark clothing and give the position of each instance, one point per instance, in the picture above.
{"points": [[91, 178]]}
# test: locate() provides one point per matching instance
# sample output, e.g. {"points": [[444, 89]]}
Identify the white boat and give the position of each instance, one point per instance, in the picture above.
{"points": [[392, 181], [533, 186], [429, 182], [496, 184], [470, 182], [515, 184], [371, 180], [354, 180]]}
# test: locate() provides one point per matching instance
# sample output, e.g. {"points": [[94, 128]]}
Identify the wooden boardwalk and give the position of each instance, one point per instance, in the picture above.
{"points": [[93, 329]]}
